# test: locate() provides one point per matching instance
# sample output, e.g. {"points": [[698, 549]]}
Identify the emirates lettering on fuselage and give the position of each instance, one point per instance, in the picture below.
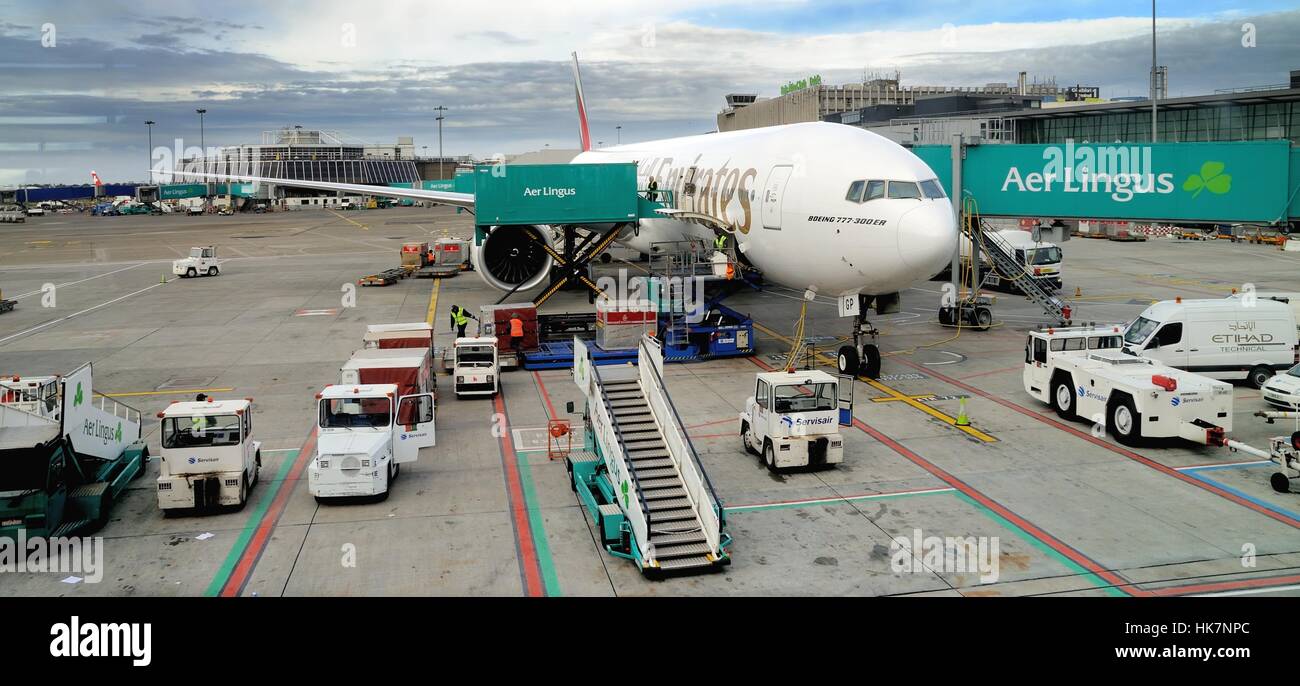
{"points": [[715, 187]]}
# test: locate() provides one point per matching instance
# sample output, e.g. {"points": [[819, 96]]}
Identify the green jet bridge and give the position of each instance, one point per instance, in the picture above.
{"points": [[590, 204], [644, 485]]}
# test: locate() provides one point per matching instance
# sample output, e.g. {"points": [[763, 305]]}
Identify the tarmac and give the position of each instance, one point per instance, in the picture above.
{"points": [[486, 513]]}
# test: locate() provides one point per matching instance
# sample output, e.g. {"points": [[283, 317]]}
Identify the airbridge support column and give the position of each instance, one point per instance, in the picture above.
{"points": [[956, 208]]}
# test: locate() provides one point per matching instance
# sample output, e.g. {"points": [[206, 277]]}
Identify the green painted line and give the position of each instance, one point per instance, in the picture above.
{"points": [[550, 580], [1047, 550], [241, 542], [741, 509]]}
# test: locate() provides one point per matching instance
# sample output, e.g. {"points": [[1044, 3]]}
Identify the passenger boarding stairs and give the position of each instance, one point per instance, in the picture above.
{"points": [[1002, 256], [659, 484]]}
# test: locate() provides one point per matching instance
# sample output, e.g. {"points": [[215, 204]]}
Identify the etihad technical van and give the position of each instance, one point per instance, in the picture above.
{"points": [[1229, 338]]}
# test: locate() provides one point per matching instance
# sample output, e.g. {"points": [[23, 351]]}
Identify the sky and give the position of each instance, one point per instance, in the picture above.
{"points": [[78, 79]]}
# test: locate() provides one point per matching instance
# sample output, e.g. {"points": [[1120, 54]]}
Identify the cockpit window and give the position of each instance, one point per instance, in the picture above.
{"points": [[904, 189], [932, 189], [875, 189], [855, 191]]}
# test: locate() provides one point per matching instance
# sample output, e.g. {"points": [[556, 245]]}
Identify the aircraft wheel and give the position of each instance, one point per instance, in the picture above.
{"points": [[870, 367], [847, 361]]}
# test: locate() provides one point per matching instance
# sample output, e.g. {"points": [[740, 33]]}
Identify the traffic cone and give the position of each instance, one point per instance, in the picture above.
{"points": [[163, 278], [1078, 292], [962, 419]]}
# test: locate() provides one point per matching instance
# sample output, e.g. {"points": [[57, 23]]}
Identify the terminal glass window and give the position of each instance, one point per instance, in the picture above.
{"points": [[875, 189], [343, 413], [932, 189], [904, 189], [201, 432], [791, 399], [1139, 330], [855, 191]]}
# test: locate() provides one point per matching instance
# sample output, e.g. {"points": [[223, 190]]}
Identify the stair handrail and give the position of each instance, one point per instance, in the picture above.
{"points": [[699, 489], [613, 438]]}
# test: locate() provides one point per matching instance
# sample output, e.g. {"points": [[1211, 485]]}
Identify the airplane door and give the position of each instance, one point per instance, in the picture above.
{"points": [[687, 202], [773, 192]]}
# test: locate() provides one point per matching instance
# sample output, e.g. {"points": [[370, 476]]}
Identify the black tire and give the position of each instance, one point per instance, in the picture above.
{"points": [[1063, 398], [744, 442], [1121, 414], [945, 316], [257, 469], [191, 272], [212, 271], [397, 471], [870, 366], [144, 463], [1279, 482], [983, 318], [769, 457], [1260, 376], [847, 361], [243, 493]]}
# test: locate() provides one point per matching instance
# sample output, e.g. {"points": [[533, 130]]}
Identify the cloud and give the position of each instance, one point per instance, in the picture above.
{"points": [[510, 99]]}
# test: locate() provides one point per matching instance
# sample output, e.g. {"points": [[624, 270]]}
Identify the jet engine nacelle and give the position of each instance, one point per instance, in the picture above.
{"points": [[514, 255]]}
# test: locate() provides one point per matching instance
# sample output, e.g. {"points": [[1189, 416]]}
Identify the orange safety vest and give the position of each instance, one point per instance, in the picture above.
{"points": [[517, 328]]}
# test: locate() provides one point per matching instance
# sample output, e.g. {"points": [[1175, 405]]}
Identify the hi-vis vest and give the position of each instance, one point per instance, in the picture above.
{"points": [[459, 313], [720, 242]]}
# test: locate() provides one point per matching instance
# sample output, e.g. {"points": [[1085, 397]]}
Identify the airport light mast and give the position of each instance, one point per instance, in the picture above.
{"points": [[149, 123], [440, 109]]}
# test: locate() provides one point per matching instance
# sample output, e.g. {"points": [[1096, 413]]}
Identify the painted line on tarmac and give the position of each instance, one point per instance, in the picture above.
{"points": [[433, 302], [1242, 494], [133, 394], [1223, 465], [833, 500], [347, 219], [250, 553], [1094, 572], [74, 283], [88, 310], [1253, 591], [895, 394], [1256, 585], [254, 522], [1242, 499], [522, 514]]}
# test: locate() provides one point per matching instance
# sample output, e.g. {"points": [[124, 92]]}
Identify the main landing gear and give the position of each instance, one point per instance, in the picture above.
{"points": [[863, 357]]}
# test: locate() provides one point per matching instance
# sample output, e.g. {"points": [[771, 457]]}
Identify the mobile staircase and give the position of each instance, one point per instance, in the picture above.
{"points": [[1000, 254], [643, 483]]}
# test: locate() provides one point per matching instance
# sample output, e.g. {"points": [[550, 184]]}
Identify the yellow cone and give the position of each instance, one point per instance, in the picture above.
{"points": [[962, 419], [1078, 292]]}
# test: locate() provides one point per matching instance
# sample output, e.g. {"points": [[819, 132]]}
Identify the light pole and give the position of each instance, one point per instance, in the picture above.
{"points": [[1154, 93], [618, 130], [440, 109], [150, 124], [202, 144]]}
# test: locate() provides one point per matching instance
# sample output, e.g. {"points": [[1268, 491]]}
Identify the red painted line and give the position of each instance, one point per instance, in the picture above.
{"points": [[695, 436], [546, 397], [1227, 585], [1024, 524], [257, 543], [719, 421], [530, 569], [1146, 461]]}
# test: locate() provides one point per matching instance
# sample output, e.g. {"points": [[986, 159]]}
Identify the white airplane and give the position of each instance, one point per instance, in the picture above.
{"points": [[814, 206]]}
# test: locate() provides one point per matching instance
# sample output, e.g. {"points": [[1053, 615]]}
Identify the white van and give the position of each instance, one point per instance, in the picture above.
{"points": [[1227, 339]]}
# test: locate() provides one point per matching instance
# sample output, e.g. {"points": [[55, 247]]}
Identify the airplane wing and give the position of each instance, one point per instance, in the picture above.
{"points": [[465, 200]]}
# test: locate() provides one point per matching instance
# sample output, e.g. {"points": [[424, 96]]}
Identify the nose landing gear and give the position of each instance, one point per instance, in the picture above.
{"points": [[863, 357]]}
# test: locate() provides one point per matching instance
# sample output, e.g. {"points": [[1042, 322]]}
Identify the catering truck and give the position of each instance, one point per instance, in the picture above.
{"points": [[366, 432], [1225, 338], [1041, 260], [1082, 374], [209, 458], [793, 419]]}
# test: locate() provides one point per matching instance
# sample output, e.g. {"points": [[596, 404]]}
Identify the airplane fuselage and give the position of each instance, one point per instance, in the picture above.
{"points": [[784, 191]]}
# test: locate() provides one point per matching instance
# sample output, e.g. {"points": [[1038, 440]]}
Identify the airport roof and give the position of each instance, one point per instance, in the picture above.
{"points": [[1242, 97]]}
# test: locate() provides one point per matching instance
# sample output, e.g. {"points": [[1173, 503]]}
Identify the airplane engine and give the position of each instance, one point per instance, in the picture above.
{"points": [[514, 255]]}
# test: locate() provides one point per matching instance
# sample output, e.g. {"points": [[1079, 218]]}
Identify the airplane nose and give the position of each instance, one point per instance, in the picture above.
{"points": [[927, 237]]}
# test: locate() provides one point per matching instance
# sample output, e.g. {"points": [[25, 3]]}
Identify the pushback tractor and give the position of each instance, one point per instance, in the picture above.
{"points": [[209, 458], [794, 418]]}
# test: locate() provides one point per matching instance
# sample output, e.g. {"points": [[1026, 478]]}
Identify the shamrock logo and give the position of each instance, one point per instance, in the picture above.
{"points": [[76, 399], [1211, 177], [625, 499], [118, 436]]}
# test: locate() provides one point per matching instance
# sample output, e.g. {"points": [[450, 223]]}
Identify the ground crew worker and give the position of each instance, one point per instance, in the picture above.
{"points": [[516, 333], [720, 243], [653, 191], [460, 319]]}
